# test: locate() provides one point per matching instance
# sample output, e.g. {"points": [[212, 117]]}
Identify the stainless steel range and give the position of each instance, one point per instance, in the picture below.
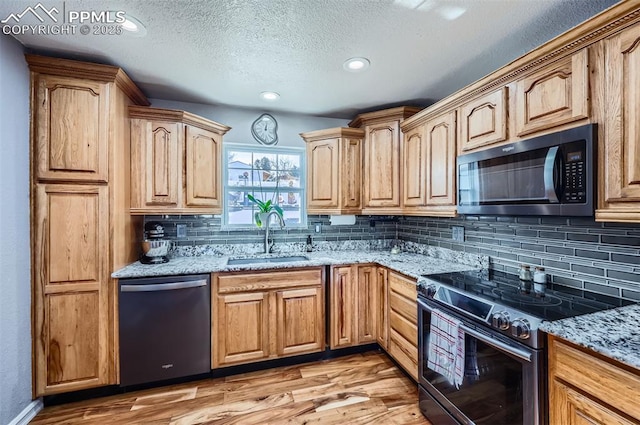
{"points": [[504, 371]]}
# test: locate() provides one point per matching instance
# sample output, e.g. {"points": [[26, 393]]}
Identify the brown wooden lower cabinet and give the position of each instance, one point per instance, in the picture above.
{"points": [[586, 388], [352, 300], [403, 322], [265, 315], [71, 288], [382, 308]]}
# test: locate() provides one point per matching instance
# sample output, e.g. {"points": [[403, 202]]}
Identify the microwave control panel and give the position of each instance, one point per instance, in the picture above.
{"points": [[575, 177]]}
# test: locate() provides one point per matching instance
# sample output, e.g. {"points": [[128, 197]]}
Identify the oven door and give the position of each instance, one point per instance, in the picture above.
{"points": [[503, 380]]}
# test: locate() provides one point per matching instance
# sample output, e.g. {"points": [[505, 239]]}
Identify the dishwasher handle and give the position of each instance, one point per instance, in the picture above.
{"points": [[163, 286]]}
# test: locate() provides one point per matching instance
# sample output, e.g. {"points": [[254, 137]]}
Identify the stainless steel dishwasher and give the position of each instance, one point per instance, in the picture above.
{"points": [[165, 328]]}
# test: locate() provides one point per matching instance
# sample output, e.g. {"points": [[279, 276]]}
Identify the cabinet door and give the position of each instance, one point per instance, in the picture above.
{"points": [[71, 130], [441, 159], [382, 168], [161, 162], [323, 177], [242, 328], [366, 291], [568, 406], [202, 169], [415, 164], [351, 175], [70, 293], [555, 95], [300, 321], [382, 307], [483, 121], [620, 173], [343, 308]]}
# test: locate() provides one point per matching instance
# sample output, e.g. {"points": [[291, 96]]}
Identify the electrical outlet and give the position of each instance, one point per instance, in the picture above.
{"points": [[457, 233], [318, 227], [181, 230]]}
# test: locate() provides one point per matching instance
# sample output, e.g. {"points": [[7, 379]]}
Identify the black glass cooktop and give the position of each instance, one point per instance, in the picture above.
{"points": [[557, 302]]}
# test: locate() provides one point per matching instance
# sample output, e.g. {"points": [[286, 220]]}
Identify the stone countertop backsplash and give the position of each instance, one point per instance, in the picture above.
{"points": [[613, 333], [414, 260]]}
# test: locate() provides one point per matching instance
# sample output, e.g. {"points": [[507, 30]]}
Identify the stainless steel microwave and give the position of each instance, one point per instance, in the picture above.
{"points": [[547, 175]]}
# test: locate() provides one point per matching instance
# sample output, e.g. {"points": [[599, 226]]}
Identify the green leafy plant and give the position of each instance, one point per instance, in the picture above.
{"points": [[267, 206], [263, 208]]}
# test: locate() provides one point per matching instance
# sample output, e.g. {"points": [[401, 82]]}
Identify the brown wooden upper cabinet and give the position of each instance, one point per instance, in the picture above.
{"points": [[383, 175], [415, 167], [72, 129], [441, 163], [428, 159], [620, 156], [554, 95], [334, 177], [176, 164], [483, 121]]}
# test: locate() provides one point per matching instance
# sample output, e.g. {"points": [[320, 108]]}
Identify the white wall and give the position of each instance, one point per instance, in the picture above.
{"points": [[289, 125], [15, 281]]}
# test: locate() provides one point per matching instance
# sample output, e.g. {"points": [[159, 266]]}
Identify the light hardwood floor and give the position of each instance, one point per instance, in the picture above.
{"points": [[358, 389]]}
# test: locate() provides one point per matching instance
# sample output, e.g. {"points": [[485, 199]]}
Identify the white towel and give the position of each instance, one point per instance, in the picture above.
{"points": [[446, 347]]}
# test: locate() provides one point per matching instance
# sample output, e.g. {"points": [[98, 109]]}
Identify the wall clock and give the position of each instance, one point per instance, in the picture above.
{"points": [[265, 130]]}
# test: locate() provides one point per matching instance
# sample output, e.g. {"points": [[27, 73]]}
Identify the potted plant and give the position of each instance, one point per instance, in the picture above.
{"points": [[264, 208]]}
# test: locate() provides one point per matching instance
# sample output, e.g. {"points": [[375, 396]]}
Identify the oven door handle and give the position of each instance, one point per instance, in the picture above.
{"points": [[514, 351]]}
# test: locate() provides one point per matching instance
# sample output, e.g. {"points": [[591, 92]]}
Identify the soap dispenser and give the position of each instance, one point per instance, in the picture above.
{"points": [[309, 244]]}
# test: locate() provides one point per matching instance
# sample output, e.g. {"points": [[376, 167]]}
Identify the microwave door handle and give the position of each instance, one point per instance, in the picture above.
{"points": [[549, 175]]}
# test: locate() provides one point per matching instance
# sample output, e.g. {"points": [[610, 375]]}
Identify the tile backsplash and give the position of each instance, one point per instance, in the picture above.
{"points": [[206, 230], [576, 252]]}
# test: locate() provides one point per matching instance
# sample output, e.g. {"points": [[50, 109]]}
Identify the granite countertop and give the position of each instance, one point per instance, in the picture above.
{"points": [[614, 333], [411, 264]]}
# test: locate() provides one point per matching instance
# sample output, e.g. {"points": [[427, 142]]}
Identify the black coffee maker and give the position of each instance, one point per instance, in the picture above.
{"points": [[155, 247]]}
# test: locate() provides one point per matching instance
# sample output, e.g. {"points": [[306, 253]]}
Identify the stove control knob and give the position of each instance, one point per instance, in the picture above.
{"points": [[520, 328], [430, 290], [500, 320]]}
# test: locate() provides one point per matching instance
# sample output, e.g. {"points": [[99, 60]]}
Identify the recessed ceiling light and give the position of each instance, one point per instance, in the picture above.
{"points": [[133, 27], [356, 64], [270, 95]]}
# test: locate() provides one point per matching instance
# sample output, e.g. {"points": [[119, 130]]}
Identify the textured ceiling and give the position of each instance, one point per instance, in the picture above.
{"points": [[225, 52]]}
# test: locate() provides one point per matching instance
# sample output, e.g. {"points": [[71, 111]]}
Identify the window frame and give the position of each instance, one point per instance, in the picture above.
{"points": [[270, 150]]}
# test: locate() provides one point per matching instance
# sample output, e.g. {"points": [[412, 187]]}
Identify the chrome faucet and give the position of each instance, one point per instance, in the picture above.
{"points": [[267, 246]]}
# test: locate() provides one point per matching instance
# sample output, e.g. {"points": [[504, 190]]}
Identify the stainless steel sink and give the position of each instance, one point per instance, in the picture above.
{"points": [[241, 261]]}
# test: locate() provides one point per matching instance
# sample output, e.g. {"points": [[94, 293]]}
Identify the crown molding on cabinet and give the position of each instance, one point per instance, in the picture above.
{"points": [[90, 71]]}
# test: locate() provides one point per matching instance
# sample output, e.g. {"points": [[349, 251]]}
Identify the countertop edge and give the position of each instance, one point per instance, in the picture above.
{"points": [[410, 264], [612, 333]]}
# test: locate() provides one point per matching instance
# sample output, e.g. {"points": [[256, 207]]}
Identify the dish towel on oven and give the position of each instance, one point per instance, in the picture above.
{"points": [[446, 347]]}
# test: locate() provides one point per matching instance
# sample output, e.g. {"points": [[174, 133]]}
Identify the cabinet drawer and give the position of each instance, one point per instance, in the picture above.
{"points": [[407, 329], [403, 307], [259, 281], [403, 286], [405, 353], [610, 383]]}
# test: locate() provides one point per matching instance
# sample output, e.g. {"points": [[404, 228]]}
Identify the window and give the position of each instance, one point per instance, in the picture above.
{"points": [[275, 174]]}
